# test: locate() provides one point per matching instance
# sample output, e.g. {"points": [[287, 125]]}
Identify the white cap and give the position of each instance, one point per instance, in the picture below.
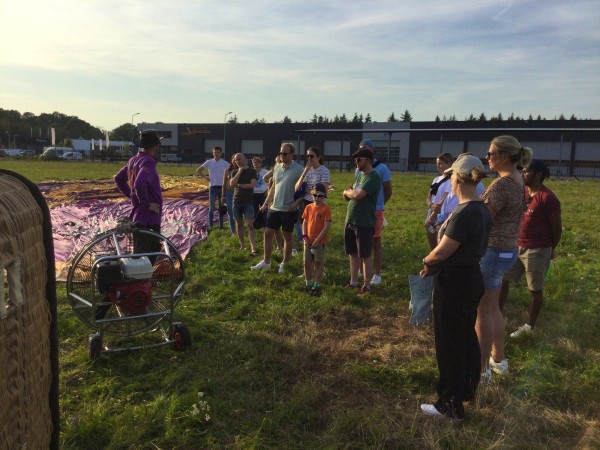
{"points": [[464, 164]]}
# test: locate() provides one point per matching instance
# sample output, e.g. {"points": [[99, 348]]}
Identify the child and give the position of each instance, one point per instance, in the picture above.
{"points": [[316, 224]]}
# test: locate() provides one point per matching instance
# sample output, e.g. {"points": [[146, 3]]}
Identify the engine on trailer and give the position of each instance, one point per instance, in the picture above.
{"points": [[126, 283]]}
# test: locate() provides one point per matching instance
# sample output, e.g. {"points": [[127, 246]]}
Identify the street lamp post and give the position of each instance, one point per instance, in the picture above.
{"points": [[224, 132], [132, 125]]}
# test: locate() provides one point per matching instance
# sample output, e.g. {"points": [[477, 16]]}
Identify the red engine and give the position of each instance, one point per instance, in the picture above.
{"points": [[132, 297]]}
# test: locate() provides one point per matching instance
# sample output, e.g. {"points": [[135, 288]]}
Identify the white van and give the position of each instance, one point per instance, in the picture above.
{"points": [[58, 152], [72, 156]]}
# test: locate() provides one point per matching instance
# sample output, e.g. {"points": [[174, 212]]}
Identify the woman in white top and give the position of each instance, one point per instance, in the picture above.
{"points": [[314, 172], [261, 188], [439, 190]]}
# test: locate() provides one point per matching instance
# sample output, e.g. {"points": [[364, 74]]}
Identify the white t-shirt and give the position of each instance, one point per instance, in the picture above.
{"points": [[446, 186], [261, 187], [216, 170]]}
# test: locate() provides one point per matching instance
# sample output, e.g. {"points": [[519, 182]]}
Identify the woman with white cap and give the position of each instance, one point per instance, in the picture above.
{"points": [[458, 286]]}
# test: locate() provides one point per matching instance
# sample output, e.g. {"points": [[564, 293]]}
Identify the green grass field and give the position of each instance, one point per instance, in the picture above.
{"points": [[271, 367]]}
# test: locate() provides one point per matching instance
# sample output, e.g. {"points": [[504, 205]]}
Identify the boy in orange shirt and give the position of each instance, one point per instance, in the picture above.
{"points": [[316, 224]]}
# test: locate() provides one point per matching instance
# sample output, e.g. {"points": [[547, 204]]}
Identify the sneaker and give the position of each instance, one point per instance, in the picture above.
{"points": [[376, 280], [294, 252], [352, 286], [364, 290], [486, 377], [281, 268], [500, 368], [261, 265], [525, 329], [430, 410]]}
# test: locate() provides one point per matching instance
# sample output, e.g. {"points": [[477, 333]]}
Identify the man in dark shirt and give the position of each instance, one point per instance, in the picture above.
{"points": [[539, 234], [243, 180]]}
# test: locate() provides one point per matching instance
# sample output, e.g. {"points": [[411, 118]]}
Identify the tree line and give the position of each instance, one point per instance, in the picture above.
{"points": [[24, 129]]}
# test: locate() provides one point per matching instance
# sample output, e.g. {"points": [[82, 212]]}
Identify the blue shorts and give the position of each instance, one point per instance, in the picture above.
{"points": [[241, 210], [494, 265]]}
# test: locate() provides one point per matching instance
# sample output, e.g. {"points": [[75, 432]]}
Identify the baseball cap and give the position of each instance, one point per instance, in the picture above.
{"points": [[464, 164], [367, 143]]}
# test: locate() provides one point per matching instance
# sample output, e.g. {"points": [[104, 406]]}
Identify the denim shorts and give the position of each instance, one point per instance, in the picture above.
{"points": [[494, 265], [241, 210]]}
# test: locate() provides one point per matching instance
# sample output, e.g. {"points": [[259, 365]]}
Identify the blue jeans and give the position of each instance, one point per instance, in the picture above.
{"points": [[214, 194], [229, 203]]}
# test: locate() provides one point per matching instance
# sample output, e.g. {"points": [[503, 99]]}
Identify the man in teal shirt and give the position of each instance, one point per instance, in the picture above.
{"points": [[360, 219], [283, 211]]}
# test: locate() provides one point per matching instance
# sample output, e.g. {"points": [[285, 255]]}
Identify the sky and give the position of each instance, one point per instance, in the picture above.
{"points": [[194, 61]]}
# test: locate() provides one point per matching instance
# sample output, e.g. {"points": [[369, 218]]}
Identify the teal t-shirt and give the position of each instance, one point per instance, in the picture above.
{"points": [[285, 180], [362, 212]]}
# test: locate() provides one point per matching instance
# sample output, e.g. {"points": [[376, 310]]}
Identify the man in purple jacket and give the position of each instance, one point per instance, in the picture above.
{"points": [[139, 181]]}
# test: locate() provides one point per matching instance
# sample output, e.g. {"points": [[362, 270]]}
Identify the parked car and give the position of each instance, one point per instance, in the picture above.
{"points": [[13, 151], [72, 156], [27, 153], [170, 157]]}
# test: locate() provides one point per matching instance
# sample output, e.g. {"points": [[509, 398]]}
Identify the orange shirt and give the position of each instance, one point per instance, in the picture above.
{"points": [[315, 217]]}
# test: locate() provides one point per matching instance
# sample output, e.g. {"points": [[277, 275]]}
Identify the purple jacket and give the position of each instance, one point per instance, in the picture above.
{"points": [[139, 181]]}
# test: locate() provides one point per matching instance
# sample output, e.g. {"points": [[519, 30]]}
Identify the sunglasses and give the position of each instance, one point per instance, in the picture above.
{"points": [[284, 153], [319, 195]]}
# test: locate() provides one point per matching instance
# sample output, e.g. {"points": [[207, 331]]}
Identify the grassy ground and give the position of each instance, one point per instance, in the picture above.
{"points": [[273, 368]]}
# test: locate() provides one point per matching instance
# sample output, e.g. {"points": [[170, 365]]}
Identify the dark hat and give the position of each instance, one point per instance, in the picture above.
{"points": [[363, 153], [537, 165], [320, 187], [147, 139]]}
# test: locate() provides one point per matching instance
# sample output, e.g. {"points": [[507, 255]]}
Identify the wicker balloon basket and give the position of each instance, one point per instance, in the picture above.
{"points": [[29, 416]]}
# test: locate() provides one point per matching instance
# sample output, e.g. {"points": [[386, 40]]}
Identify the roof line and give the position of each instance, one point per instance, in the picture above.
{"points": [[409, 130]]}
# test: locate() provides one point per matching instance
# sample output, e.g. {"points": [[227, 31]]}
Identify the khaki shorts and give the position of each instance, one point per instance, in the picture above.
{"points": [[534, 263], [319, 253], [378, 224]]}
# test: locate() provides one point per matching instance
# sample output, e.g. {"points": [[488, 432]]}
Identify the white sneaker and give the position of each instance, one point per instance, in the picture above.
{"points": [[261, 265], [281, 268], [294, 252], [430, 410], [500, 368], [525, 329], [486, 377], [376, 280]]}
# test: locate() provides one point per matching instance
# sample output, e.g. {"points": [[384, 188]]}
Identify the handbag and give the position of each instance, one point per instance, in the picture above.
{"points": [[300, 192]]}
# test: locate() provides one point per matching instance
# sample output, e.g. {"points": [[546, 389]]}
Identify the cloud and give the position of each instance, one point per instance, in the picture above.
{"points": [[273, 58]]}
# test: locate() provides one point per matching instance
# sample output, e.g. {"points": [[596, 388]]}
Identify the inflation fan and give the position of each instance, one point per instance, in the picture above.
{"points": [[118, 292]]}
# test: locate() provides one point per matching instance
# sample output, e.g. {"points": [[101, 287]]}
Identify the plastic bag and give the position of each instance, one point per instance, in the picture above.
{"points": [[421, 291]]}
